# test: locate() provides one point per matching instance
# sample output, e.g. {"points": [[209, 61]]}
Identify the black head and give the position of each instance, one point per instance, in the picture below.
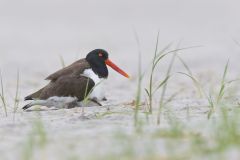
{"points": [[96, 59]]}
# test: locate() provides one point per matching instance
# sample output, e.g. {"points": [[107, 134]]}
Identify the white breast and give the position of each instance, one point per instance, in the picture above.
{"points": [[97, 91]]}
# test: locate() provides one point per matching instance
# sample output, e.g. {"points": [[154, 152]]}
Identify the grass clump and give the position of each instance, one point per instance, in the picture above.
{"points": [[213, 101], [153, 87]]}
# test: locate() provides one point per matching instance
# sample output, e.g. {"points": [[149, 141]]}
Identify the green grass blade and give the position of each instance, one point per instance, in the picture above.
{"points": [[139, 84], [2, 96], [223, 81], [16, 99], [165, 84], [185, 65], [156, 47], [195, 81], [149, 93], [161, 84]]}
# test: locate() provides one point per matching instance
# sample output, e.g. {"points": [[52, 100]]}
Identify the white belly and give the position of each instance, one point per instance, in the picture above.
{"points": [[97, 92]]}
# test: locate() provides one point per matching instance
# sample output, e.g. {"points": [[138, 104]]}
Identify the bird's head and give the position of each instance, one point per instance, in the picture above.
{"points": [[98, 59]]}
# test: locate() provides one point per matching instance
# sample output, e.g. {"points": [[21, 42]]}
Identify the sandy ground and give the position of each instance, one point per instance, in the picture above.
{"points": [[34, 34]]}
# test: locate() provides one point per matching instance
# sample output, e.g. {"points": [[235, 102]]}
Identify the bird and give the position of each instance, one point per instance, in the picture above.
{"points": [[69, 86]]}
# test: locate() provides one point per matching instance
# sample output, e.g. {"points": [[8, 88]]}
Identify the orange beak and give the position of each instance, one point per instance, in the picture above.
{"points": [[116, 68]]}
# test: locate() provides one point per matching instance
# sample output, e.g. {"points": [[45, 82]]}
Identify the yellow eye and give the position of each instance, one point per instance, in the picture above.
{"points": [[100, 55]]}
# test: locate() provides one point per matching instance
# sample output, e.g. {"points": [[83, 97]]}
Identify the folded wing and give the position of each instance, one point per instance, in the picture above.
{"points": [[64, 86], [76, 68]]}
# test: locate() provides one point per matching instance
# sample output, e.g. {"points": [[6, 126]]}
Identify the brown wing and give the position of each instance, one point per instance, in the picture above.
{"points": [[76, 68], [64, 86]]}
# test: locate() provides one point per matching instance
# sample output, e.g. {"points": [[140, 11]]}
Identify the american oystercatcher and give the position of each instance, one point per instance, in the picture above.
{"points": [[70, 85]]}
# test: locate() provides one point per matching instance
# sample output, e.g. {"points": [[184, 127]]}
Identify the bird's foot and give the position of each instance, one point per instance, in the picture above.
{"points": [[104, 99], [72, 105], [95, 100]]}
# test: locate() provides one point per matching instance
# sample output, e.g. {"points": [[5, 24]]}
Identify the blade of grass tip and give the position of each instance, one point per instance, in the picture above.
{"points": [[162, 54], [185, 48], [164, 49], [165, 84], [16, 99], [2, 96], [236, 42], [159, 56], [161, 84], [174, 51], [221, 91], [61, 61], [225, 72], [147, 92], [158, 59], [156, 47], [185, 65]]}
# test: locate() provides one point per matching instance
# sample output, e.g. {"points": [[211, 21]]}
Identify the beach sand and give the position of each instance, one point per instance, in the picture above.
{"points": [[34, 35]]}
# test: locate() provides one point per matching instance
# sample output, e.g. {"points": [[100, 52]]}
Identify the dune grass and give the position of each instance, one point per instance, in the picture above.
{"points": [[213, 100], [199, 145], [153, 88]]}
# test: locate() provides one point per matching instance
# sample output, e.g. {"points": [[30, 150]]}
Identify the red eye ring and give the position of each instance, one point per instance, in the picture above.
{"points": [[100, 55]]}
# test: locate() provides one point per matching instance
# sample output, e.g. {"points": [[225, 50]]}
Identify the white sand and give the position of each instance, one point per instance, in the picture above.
{"points": [[34, 34]]}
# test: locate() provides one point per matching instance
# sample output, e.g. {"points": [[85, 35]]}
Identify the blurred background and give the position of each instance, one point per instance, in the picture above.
{"points": [[34, 33]]}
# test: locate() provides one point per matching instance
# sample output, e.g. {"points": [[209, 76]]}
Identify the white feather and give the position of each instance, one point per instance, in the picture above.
{"points": [[97, 91]]}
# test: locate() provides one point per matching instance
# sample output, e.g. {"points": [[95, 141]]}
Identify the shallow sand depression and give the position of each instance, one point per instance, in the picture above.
{"points": [[36, 37]]}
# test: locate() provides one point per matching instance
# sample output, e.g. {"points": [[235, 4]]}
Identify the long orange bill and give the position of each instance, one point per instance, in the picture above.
{"points": [[116, 68]]}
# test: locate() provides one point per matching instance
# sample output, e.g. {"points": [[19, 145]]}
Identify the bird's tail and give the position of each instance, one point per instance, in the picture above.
{"points": [[28, 98], [34, 95], [27, 106]]}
